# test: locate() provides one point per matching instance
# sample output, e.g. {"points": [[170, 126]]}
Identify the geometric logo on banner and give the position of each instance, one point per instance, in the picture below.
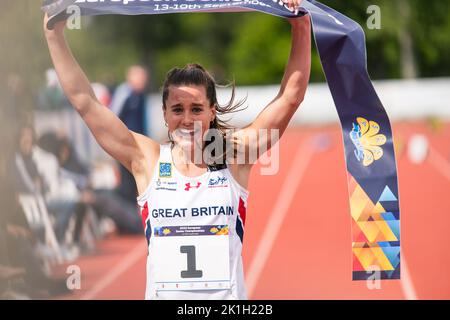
{"points": [[375, 233], [393, 255], [387, 195]]}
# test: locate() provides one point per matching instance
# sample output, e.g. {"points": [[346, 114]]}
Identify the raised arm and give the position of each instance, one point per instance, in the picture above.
{"points": [[127, 147], [278, 113]]}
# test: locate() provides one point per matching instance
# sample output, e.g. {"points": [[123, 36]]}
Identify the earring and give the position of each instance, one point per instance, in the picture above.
{"points": [[165, 123]]}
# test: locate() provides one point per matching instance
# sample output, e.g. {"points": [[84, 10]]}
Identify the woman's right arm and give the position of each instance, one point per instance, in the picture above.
{"points": [[110, 132]]}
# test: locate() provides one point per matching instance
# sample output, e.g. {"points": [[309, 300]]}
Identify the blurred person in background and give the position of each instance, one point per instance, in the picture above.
{"points": [[105, 202], [36, 171], [129, 103], [22, 274], [130, 98]]}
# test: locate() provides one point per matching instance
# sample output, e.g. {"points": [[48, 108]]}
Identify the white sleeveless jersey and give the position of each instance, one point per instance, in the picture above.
{"points": [[194, 228]]}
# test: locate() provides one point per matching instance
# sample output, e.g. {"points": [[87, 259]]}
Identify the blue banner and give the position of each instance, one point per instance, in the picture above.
{"points": [[367, 134]]}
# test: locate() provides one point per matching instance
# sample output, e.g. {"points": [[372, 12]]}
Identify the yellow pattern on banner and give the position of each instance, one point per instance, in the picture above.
{"points": [[369, 229]]}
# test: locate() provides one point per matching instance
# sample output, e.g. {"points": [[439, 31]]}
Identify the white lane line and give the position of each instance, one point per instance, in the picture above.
{"points": [[128, 261], [406, 281], [439, 162], [301, 162]]}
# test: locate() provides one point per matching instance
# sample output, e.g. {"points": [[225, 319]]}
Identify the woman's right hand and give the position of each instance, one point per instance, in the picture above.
{"points": [[58, 27]]}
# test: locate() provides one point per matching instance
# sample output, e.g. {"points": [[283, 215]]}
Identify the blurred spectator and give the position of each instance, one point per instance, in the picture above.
{"points": [[130, 98], [21, 269], [37, 172], [128, 103], [106, 202]]}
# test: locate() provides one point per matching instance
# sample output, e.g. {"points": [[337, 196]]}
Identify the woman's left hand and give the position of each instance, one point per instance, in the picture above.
{"points": [[294, 5]]}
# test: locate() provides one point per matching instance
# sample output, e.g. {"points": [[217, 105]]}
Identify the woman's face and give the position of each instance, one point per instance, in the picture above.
{"points": [[188, 114]]}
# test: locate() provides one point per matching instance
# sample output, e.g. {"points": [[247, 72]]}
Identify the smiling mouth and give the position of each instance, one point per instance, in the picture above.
{"points": [[186, 133]]}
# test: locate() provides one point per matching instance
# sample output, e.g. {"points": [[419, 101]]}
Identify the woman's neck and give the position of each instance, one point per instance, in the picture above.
{"points": [[188, 160]]}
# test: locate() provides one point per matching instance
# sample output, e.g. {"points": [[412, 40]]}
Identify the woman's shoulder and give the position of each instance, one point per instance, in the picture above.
{"points": [[144, 167], [149, 147], [240, 173]]}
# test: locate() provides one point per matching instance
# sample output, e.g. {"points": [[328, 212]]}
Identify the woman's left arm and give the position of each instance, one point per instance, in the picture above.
{"points": [[277, 114]]}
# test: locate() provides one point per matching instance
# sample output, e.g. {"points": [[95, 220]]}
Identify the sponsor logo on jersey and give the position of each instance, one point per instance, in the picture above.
{"points": [[165, 170], [189, 186], [191, 230], [162, 231], [219, 182], [166, 185]]}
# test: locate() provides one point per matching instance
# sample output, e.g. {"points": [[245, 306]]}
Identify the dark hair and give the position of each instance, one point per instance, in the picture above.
{"points": [[195, 74]]}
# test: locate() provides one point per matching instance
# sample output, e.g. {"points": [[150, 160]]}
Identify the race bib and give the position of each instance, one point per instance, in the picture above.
{"points": [[191, 257]]}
